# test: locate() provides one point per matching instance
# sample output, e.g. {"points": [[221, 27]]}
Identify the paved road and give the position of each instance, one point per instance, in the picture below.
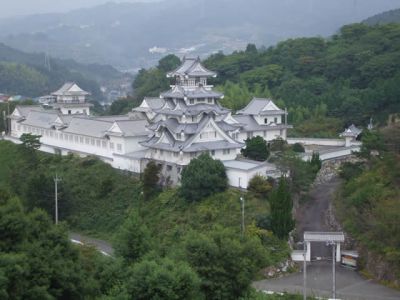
{"points": [[100, 245], [349, 284]]}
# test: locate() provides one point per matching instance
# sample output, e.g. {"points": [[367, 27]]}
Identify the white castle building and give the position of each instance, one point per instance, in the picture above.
{"points": [[181, 124]]}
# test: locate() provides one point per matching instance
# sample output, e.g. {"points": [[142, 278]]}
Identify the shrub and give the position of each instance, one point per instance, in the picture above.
{"points": [[256, 148], [297, 147], [203, 177]]}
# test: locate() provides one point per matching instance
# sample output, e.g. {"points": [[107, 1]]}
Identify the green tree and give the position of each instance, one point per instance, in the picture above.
{"points": [[151, 180], [163, 279], [297, 147], [169, 63], [256, 148], [315, 162], [133, 239], [37, 260], [226, 265], [259, 186], [30, 141], [203, 177], [281, 210]]}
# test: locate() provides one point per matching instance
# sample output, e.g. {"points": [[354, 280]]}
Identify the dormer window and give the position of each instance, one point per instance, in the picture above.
{"points": [[265, 120], [179, 135]]}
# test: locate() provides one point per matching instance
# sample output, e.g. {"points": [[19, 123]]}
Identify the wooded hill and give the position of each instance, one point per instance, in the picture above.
{"points": [[368, 205], [325, 83], [26, 74], [391, 16]]}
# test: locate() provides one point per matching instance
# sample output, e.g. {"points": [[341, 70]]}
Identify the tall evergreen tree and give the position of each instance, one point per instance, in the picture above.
{"points": [[151, 180], [281, 210]]}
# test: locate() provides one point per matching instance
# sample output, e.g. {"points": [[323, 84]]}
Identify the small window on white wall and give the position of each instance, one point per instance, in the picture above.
{"points": [[119, 147], [276, 120], [265, 120]]}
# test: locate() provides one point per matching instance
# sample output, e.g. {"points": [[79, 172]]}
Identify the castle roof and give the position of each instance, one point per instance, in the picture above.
{"points": [[191, 67], [70, 89], [261, 106]]}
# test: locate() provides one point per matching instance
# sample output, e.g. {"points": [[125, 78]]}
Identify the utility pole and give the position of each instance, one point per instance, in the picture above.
{"points": [[305, 271], [5, 121], [56, 180], [242, 202], [333, 271]]}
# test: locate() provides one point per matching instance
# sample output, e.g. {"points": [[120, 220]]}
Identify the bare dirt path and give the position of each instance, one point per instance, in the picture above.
{"points": [[311, 216]]}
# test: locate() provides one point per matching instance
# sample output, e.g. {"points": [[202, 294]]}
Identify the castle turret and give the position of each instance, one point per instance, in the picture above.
{"points": [[71, 99]]}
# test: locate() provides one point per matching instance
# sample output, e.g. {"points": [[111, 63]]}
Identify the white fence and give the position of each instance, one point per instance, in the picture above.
{"points": [[333, 153], [319, 142]]}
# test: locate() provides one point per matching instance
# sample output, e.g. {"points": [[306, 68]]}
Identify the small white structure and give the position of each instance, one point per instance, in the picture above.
{"points": [[70, 99], [240, 172], [350, 134]]}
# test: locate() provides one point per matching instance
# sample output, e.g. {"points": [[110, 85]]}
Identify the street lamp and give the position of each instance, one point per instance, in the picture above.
{"points": [[242, 202]]}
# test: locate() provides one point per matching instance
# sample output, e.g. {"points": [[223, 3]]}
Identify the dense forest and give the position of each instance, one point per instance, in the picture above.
{"points": [[391, 16], [369, 203], [326, 84], [26, 74]]}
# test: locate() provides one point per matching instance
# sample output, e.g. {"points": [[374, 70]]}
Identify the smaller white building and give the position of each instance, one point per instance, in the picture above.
{"points": [[70, 99], [240, 172]]}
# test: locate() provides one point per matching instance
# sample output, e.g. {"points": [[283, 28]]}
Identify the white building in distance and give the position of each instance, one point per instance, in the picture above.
{"points": [[182, 123]]}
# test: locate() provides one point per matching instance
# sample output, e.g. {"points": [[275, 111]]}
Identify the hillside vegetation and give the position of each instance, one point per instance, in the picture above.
{"points": [[391, 16], [369, 205], [122, 34], [158, 239], [326, 84], [25, 74]]}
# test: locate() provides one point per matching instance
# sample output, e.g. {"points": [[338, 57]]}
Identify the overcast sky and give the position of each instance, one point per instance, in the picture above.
{"points": [[9, 8]]}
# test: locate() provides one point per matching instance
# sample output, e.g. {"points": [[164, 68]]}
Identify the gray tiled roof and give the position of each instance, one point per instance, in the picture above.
{"points": [[193, 110], [248, 123], [88, 127], [256, 107], [133, 127], [191, 67], [42, 119], [24, 110], [217, 145], [352, 131], [247, 164], [201, 92], [187, 146], [65, 90]]}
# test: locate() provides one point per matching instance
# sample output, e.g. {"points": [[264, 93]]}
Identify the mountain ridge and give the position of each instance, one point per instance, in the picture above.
{"points": [[123, 34]]}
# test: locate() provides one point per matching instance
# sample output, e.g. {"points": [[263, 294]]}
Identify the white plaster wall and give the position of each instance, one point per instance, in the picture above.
{"points": [[270, 119], [132, 143], [126, 163], [75, 110], [320, 142], [237, 178]]}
